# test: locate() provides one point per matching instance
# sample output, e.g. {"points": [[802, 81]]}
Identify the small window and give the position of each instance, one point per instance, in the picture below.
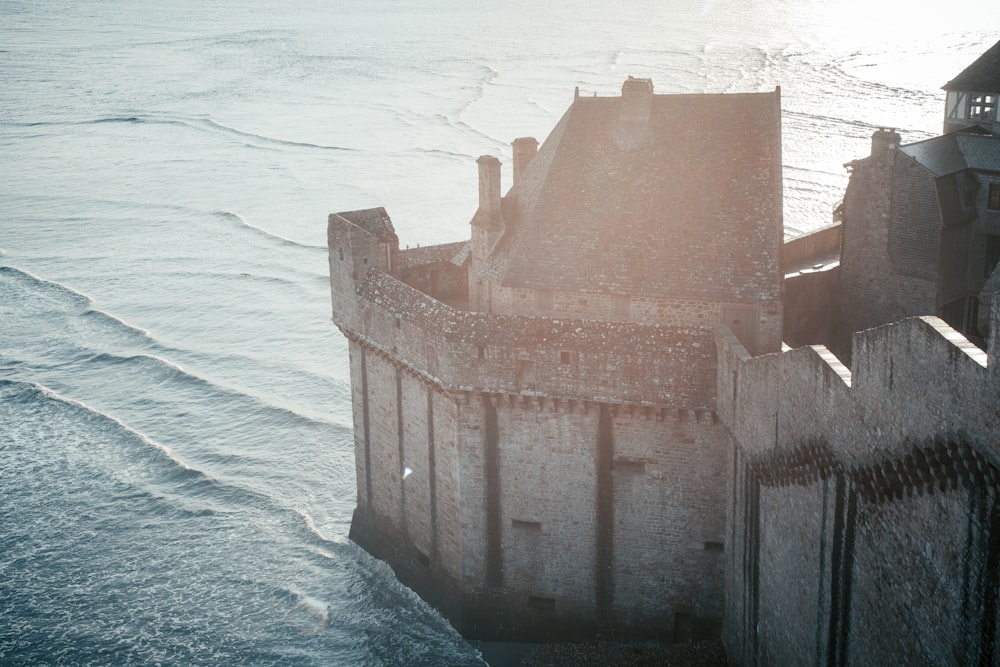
{"points": [[994, 199], [544, 604], [714, 546], [481, 352], [340, 252], [526, 525], [983, 107], [399, 323], [565, 357], [634, 466]]}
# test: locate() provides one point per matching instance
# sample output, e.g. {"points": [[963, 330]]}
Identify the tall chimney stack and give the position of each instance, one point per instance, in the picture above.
{"points": [[524, 151], [489, 185], [884, 138], [637, 100]]}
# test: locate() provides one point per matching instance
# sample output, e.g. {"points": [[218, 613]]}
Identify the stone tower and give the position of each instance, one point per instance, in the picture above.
{"points": [[550, 383]]}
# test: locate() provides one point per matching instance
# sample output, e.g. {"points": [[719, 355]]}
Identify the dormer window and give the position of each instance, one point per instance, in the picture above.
{"points": [[982, 107]]}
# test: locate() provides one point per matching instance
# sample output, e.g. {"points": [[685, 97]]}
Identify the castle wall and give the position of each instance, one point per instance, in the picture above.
{"points": [[863, 504], [764, 317], [668, 479], [414, 522], [810, 300], [794, 560], [353, 251], [635, 543], [804, 250], [432, 271], [535, 557], [811, 267], [492, 414], [914, 577], [601, 361], [548, 528]]}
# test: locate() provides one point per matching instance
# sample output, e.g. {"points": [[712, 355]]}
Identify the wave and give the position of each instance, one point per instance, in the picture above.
{"points": [[208, 122], [239, 219], [50, 285], [32, 391], [82, 300], [197, 123], [98, 314], [153, 356], [174, 371], [181, 486], [465, 157]]}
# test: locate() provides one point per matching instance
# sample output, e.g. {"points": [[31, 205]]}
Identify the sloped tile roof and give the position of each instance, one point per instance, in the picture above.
{"points": [[686, 205], [951, 153], [374, 221], [983, 75]]}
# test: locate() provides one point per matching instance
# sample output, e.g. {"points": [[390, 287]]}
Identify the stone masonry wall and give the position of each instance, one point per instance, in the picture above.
{"points": [[469, 427], [413, 521], [863, 510], [685, 313], [488, 528], [668, 480], [533, 477], [574, 359], [891, 237]]}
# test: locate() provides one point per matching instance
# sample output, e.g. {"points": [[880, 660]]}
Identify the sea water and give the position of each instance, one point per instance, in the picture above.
{"points": [[176, 458]]}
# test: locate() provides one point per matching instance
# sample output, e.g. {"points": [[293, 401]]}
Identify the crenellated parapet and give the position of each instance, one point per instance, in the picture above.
{"points": [[611, 362], [864, 503], [907, 379]]}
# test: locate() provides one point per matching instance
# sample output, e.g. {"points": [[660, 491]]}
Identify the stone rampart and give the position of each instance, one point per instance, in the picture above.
{"points": [[410, 258], [864, 505], [613, 362], [805, 249], [525, 517]]}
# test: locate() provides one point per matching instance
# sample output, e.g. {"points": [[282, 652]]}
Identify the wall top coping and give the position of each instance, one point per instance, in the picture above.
{"points": [[406, 302]]}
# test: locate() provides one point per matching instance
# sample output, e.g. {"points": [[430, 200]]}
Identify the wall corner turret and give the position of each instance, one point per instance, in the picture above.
{"points": [[357, 242]]}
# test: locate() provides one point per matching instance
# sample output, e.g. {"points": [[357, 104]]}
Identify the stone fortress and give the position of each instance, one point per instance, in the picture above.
{"points": [[624, 408]]}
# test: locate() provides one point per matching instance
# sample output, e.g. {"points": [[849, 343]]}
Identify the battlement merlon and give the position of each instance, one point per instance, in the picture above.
{"points": [[908, 379], [611, 362], [357, 241]]}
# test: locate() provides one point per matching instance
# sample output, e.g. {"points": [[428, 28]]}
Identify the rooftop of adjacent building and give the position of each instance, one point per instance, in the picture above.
{"points": [[643, 194], [982, 75]]}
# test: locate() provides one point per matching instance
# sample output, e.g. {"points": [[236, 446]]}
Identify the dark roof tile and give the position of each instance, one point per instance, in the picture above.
{"points": [[374, 221], [983, 75]]}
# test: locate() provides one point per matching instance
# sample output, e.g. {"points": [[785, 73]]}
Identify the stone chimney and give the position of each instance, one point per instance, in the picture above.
{"points": [[489, 184], [637, 100], [884, 138], [525, 149], [488, 216]]}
